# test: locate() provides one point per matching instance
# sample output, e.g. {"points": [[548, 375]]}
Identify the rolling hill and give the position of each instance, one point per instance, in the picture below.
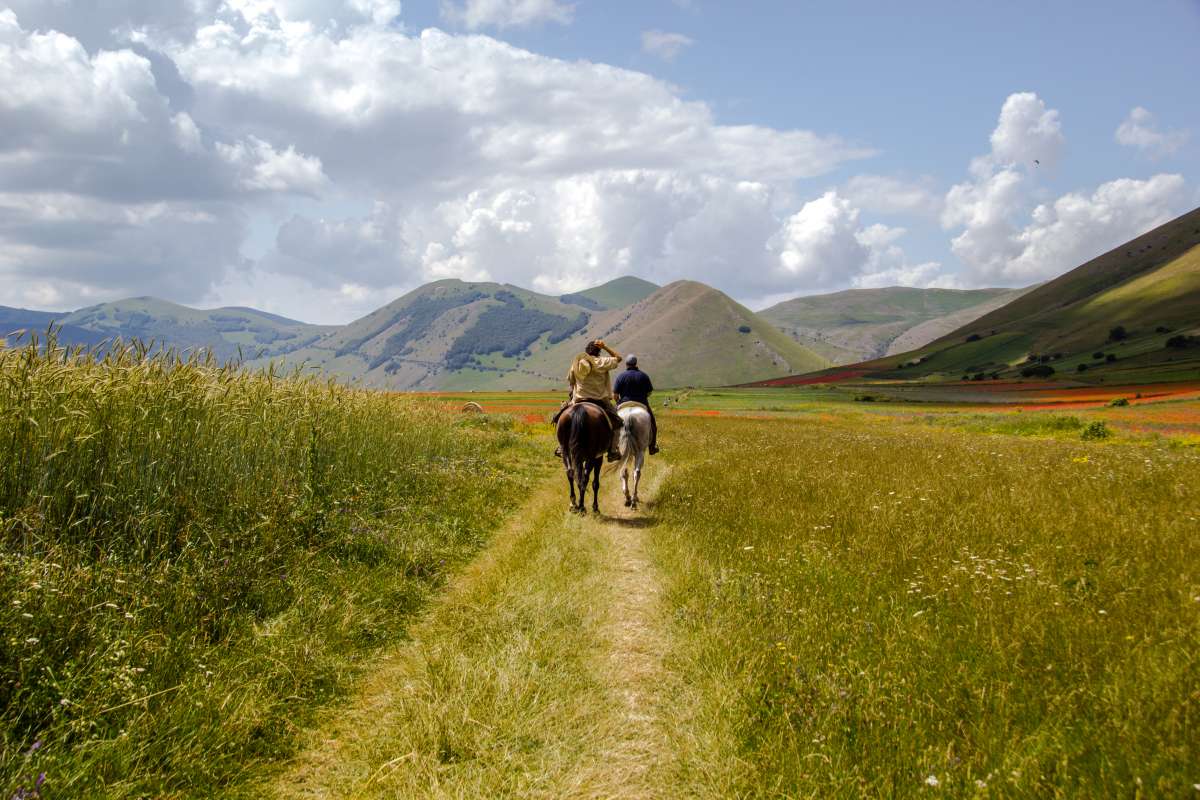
{"points": [[230, 333], [453, 335], [1129, 315], [862, 324], [17, 325]]}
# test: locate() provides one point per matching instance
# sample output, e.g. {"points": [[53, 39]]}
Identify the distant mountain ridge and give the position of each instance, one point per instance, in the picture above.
{"points": [[1129, 315], [454, 335], [862, 324]]}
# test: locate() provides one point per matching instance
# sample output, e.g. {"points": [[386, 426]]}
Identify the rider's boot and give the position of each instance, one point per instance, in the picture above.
{"points": [[614, 453]]}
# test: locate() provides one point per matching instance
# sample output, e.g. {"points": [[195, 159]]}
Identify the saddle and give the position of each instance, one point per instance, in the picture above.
{"points": [[598, 404], [632, 404]]}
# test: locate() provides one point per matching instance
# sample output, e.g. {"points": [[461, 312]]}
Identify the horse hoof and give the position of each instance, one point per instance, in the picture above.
{"points": [[628, 502]]}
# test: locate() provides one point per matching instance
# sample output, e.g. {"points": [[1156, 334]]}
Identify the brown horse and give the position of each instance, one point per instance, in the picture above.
{"points": [[583, 437]]}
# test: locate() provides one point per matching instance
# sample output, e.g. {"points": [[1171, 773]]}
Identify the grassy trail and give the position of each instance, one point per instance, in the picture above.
{"points": [[538, 674]]}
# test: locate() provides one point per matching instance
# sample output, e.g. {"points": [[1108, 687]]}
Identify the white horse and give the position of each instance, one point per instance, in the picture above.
{"points": [[633, 443]]}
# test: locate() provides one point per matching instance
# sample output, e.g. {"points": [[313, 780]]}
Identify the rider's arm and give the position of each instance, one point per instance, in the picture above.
{"points": [[609, 350]]}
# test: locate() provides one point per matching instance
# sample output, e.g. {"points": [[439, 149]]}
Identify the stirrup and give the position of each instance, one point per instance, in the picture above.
{"points": [[614, 455]]}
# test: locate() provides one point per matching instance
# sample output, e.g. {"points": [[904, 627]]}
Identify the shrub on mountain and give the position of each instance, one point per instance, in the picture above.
{"points": [[974, 337], [1081, 368], [1098, 354], [1037, 371], [1110, 358], [1182, 342], [1118, 334]]}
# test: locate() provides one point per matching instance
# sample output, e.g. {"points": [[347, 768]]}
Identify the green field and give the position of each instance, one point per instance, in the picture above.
{"points": [[216, 584]]}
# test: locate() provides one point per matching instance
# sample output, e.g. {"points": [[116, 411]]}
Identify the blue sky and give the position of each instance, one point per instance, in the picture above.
{"points": [[319, 157]]}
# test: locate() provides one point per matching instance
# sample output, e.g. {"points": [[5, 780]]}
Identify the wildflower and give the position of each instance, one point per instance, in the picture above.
{"points": [[931, 780], [31, 640]]}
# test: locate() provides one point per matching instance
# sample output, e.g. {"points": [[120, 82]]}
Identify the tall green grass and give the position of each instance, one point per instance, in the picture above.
{"points": [[193, 558], [892, 611]]}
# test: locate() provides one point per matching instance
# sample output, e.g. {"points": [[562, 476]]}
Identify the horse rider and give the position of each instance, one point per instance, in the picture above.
{"points": [[588, 379], [634, 386]]}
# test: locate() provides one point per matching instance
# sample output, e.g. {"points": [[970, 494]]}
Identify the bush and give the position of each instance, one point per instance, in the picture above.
{"points": [[1037, 371], [1081, 368], [974, 337], [864, 398], [1119, 402], [1118, 334], [743, 328], [1162, 329], [978, 376], [1110, 358], [1099, 354], [1094, 431], [1182, 342]]}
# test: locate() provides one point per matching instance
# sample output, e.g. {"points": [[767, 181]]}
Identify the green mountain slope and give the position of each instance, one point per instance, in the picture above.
{"points": [[861, 324], [617, 293], [227, 332], [689, 334], [17, 325], [453, 335], [1126, 305]]}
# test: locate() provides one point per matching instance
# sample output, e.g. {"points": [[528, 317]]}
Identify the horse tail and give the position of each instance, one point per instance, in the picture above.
{"points": [[577, 437]]}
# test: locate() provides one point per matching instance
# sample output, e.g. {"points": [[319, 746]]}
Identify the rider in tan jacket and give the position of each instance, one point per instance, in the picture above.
{"points": [[589, 379]]}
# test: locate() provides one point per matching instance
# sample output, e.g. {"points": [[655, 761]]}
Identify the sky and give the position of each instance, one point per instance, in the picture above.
{"points": [[319, 158]]}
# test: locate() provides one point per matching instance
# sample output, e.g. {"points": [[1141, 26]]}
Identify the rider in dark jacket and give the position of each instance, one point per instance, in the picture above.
{"points": [[634, 385]]}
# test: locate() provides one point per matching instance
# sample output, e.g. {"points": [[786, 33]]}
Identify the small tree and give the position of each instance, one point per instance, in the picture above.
{"points": [[1118, 334]]}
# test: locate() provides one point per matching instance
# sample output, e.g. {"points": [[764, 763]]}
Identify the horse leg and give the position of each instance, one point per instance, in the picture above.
{"points": [[581, 478], [596, 485], [571, 484], [637, 476], [625, 484]]}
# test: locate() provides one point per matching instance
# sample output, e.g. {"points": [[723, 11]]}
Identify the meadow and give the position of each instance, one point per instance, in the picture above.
{"points": [[223, 583], [194, 559], [872, 609]]}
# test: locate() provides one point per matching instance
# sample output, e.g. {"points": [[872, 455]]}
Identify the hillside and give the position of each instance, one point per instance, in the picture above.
{"points": [[229, 332], [1129, 315], [689, 334], [18, 324], [452, 335], [617, 293], [861, 324]]}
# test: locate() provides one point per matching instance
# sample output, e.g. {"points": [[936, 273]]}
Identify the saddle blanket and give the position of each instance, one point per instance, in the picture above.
{"points": [[632, 404]]}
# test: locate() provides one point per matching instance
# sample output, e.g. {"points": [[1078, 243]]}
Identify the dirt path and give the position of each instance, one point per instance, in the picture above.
{"points": [[538, 673]]}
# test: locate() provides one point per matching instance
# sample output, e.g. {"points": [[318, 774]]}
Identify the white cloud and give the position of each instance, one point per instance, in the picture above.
{"points": [[819, 245], [1027, 131], [1005, 242], [664, 45], [1140, 131], [135, 172], [889, 195], [476, 14], [1078, 227], [263, 168]]}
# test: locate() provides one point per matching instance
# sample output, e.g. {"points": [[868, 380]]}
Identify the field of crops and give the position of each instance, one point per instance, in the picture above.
{"points": [[872, 609], [840, 592], [193, 560]]}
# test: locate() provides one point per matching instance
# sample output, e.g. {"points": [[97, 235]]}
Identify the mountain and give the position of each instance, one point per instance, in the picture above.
{"points": [[17, 325], [229, 333], [453, 335], [1129, 315], [617, 293], [861, 324]]}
